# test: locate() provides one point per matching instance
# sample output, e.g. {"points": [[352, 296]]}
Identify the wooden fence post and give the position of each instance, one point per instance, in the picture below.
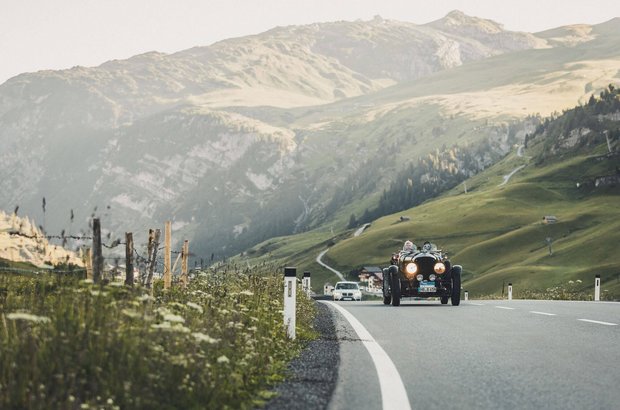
{"points": [[185, 253], [149, 255], [167, 255], [129, 258], [89, 263], [155, 244], [97, 252]]}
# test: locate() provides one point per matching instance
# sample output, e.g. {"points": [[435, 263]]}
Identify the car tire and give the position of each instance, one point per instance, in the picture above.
{"points": [[444, 300], [387, 297], [456, 285], [395, 286]]}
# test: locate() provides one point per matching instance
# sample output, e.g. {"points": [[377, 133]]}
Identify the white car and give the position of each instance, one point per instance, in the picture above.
{"points": [[347, 290]]}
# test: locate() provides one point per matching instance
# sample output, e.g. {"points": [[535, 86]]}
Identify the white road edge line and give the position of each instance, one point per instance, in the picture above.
{"points": [[505, 307], [542, 313], [598, 322], [393, 393], [476, 304]]}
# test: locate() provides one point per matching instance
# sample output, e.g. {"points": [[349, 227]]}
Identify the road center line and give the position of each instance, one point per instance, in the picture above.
{"points": [[505, 307], [393, 393], [542, 313], [598, 322]]}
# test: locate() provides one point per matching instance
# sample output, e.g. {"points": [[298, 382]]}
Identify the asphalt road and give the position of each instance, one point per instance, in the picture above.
{"points": [[480, 355]]}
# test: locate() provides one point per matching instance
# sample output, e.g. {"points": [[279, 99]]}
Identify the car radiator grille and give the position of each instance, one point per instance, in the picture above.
{"points": [[426, 265]]}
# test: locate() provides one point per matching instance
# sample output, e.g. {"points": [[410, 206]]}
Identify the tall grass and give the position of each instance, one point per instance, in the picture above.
{"points": [[70, 344]]}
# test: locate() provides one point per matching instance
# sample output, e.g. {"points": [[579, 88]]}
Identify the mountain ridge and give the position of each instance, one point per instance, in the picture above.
{"points": [[233, 151]]}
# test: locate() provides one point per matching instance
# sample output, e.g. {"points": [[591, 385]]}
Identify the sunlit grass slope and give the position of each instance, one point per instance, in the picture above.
{"points": [[497, 233]]}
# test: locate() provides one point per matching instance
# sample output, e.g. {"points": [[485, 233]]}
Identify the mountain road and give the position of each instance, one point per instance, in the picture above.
{"points": [[489, 354]]}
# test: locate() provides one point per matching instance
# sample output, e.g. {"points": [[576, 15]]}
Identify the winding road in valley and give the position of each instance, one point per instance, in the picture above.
{"points": [[517, 169], [319, 260]]}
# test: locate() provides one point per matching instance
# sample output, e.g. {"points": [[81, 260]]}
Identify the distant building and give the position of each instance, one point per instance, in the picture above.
{"points": [[371, 277], [607, 180], [549, 219]]}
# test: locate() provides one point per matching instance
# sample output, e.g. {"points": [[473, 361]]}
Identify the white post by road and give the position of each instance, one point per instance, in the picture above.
{"points": [[305, 283], [510, 291], [290, 295], [597, 288], [466, 295]]}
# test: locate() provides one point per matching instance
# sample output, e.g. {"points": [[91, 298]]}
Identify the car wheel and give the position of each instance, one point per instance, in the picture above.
{"points": [[387, 297], [395, 286], [444, 300], [456, 285]]}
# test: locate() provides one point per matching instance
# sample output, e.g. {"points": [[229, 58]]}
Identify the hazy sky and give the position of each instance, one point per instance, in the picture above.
{"points": [[56, 34]]}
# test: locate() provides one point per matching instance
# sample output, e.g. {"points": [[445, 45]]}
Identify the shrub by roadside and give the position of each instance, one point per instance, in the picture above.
{"points": [[220, 343]]}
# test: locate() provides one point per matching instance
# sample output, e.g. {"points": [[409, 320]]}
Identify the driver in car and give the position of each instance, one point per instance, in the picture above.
{"points": [[408, 248]]}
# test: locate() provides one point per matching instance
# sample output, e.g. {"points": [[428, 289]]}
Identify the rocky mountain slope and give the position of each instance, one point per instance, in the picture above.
{"points": [[22, 241], [253, 137]]}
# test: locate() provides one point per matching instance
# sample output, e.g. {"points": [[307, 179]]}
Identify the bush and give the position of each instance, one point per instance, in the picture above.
{"points": [[220, 343]]}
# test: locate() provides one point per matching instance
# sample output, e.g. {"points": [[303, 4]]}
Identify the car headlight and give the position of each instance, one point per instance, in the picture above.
{"points": [[411, 269], [432, 277], [440, 268], [420, 277]]}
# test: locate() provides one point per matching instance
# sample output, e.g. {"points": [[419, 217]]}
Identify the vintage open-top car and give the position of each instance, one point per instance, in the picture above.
{"points": [[424, 273]]}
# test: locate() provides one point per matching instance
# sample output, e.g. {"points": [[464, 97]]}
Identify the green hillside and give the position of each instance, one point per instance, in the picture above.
{"points": [[496, 231]]}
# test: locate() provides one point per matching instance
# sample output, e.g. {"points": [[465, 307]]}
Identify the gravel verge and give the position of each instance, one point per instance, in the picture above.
{"points": [[313, 375]]}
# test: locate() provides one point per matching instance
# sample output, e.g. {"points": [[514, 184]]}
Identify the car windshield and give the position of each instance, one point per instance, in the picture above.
{"points": [[346, 286]]}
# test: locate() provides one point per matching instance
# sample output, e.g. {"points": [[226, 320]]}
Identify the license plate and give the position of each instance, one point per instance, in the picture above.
{"points": [[427, 286]]}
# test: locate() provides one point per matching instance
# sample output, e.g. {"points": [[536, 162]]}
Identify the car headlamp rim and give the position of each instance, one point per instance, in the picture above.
{"points": [[439, 268], [411, 268]]}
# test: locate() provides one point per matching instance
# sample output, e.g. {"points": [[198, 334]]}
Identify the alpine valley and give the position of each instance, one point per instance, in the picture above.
{"points": [[301, 129]]}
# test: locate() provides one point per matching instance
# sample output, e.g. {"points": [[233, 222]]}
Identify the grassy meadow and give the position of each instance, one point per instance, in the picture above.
{"points": [[496, 232], [68, 343]]}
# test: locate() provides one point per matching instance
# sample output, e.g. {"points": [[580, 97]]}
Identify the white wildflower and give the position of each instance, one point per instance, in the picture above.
{"points": [[145, 297], [167, 326], [195, 306], [180, 328], [223, 359], [579, 281], [247, 293], [28, 317], [173, 318], [162, 326], [88, 281], [116, 284], [201, 337], [131, 313]]}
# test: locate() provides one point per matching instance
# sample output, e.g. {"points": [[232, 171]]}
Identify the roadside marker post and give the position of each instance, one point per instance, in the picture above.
{"points": [[305, 283], [510, 291], [290, 296], [597, 288], [466, 295]]}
